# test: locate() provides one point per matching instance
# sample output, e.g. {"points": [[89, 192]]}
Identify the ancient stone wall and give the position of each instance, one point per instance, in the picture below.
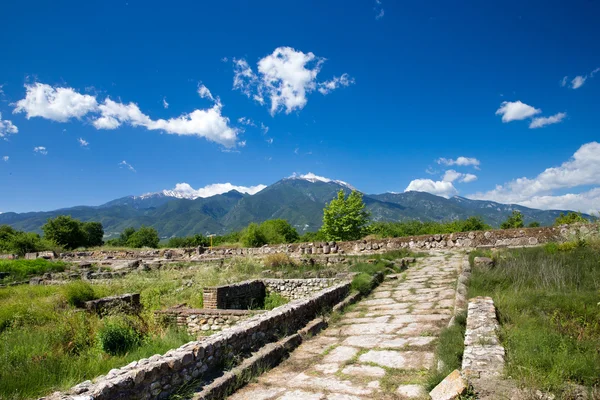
{"points": [[299, 288], [129, 302], [239, 296], [330, 250], [204, 320], [159, 376], [484, 355]]}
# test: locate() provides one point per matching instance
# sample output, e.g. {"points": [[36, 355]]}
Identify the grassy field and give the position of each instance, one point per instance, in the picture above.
{"points": [[548, 301], [20, 270]]}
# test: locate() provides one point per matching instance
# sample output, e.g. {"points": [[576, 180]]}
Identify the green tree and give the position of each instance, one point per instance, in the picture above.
{"points": [[279, 231], [514, 221], [94, 233], [253, 236], [345, 218], [570, 218], [65, 231], [144, 237], [533, 224]]}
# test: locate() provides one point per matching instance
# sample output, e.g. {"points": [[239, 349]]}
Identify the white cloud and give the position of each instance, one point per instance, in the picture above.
{"points": [[439, 188], [204, 92], [269, 140], [82, 142], [57, 104], [379, 12], [5, 158], [7, 127], [516, 111], [184, 190], [451, 175], [40, 150], [588, 202], [60, 104], [578, 81], [125, 164], [165, 104], [594, 72], [460, 161], [540, 122], [284, 77], [583, 169], [246, 121], [563, 81], [467, 178], [264, 128], [337, 81]]}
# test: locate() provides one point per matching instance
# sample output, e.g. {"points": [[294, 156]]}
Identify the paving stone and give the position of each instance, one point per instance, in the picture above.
{"points": [[300, 395], [364, 370], [328, 369], [366, 341], [369, 329], [336, 396], [382, 294], [329, 384], [340, 354], [349, 321], [376, 302], [399, 359], [411, 391]]}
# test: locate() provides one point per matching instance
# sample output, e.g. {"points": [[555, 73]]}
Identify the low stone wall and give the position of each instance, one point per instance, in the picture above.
{"points": [[325, 251], [203, 320], [48, 255], [484, 355], [299, 288], [129, 302], [159, 376], [8, 256], [239, 296]]}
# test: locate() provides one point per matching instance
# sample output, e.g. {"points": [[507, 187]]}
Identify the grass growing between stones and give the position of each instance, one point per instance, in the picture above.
{"points": [[449, 351], [548, 302]]}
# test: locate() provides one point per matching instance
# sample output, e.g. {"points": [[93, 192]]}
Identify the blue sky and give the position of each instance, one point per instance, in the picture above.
{"points": [[385, 95]]}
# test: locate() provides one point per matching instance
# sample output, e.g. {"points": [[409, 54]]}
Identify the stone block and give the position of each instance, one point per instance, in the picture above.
{"points": [[451, 388]]}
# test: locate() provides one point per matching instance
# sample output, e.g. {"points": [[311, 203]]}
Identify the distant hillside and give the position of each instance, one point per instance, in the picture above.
{"points": [[300, 201]]}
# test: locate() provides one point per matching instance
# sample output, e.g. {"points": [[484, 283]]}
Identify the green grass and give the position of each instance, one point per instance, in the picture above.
{"points": [[449, 351], [548, 301], [20, 270], [274, 300]]}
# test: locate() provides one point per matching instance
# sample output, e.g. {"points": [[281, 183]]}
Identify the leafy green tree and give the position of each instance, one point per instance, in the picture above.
{"points": [[94, 233], [345, 218], [570, 218], [144, 237], [533, 224], [253, 236], [278, 231], [514, 221], [65, 231]]}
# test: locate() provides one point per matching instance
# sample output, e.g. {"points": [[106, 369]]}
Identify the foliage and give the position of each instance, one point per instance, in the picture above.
{"points": [[77, 293], [278, 231], [345, 218], [20, 243], [277, 260], [570, 218], [318, 236], [253, 236], [190, 241], [274, 300], [515, 220], [548, 302], [362, 283], [118, 335], [19, 270], [71, 233], [534, 224], [143, 237], [415, 228]]}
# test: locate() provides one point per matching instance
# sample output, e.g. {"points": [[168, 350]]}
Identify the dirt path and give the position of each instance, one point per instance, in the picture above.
{"points": [[382, 349]]}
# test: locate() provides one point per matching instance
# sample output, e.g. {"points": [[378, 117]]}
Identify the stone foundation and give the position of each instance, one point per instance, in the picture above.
{"points": [[206, 320], [129, 302]]}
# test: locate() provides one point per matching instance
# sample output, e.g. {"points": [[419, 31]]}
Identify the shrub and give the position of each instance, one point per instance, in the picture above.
{"points": [[277, 260], [279, 231], [253, 236], [533, 224], [118, 336], [273, 300], [78, 293], [415, 228], [570, 218], [362, 283], [143, 237], [515, 220], [345, 218]]}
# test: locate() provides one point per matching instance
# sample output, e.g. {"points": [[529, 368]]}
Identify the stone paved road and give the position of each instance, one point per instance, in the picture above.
{"points": [[381, 349]]}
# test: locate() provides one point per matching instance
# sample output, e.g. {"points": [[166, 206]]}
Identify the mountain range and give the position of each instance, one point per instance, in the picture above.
{"points": [[297, 200]]}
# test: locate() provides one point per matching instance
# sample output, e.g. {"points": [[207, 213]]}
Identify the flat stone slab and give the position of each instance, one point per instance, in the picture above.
{"points": [[376, 302], [301, 395], [365, 320], [411, 391], [340, 354], [399, 359], [328, 369], [369, 329], [329, 384], [364, 370], [262, 393]]}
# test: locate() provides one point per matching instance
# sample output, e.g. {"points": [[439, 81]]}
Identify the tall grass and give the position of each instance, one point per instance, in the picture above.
{"points": [[19, 270], [549, 307]]}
